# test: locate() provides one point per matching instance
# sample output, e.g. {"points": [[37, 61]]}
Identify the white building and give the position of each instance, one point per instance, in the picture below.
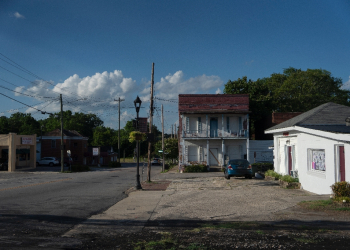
{"points": [[313, 145], [213, 128]]}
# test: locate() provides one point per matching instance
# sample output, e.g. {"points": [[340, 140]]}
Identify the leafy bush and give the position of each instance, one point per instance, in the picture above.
{"points": [[289, 179], [273, 174], [195, 168], [114, 164], [341, 198], [341, 189], [80, 168]]}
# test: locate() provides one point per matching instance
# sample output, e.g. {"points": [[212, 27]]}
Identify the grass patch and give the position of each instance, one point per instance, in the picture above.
{"points": [[260, 232], [166, 242], [195, 246], [343, 209], [324, 205], [195, 230]]}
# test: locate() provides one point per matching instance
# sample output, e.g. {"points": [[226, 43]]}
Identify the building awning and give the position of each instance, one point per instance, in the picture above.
{"points": [[18, 151]]}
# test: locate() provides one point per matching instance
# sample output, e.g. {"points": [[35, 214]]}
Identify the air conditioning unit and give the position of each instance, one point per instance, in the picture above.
{"points": [[294, 173]]}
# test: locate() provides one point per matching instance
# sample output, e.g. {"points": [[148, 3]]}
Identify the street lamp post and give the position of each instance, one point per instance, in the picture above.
{"points": [[137, 104]]}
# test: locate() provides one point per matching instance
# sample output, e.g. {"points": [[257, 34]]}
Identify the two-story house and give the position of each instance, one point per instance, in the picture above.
{"points": [[213, 128]]}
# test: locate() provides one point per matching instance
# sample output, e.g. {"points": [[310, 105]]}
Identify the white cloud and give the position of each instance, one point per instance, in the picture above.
{"points": [[171, 86], [97, 93], [18, 16], [218, 91]]}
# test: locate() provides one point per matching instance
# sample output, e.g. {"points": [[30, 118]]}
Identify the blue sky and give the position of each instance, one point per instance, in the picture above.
{"points": [[95, 51]]}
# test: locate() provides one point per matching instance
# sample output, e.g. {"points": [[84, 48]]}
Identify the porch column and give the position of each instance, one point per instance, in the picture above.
{"points": [[208, 153], [183, 151], [32, 162], [223, 152], [12, 152]]}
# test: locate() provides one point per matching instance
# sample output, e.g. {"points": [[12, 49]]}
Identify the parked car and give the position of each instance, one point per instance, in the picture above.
{"points": [[68, 161], [50, 161], [238, 168], [155, 161], [4, 164]]}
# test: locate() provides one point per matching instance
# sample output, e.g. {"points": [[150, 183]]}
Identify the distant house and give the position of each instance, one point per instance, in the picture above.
{"points": [[100, 155], [74, 142], [313, 145], [213, 128]]}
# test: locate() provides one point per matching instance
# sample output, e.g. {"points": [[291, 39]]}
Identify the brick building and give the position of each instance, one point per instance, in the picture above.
{"points": [[213, 128], [73, 141]]}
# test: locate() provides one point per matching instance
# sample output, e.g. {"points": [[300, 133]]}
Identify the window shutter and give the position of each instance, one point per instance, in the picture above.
{"points": [[187, 125], [293, 157], [199, 125], [228, 123], [186, 154], [286, 159], [200, 154]]}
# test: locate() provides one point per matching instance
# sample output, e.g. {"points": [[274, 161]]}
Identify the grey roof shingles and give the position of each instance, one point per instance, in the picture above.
{"points": [[326, 117]]}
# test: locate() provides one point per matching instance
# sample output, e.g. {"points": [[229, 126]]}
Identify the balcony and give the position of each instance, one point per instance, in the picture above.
{"points": [[216, 133]]}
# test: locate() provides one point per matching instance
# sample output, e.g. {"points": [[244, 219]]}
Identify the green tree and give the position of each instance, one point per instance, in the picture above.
{"points": [[171, 148], [103, 136], [294, 90], [22, 124]]}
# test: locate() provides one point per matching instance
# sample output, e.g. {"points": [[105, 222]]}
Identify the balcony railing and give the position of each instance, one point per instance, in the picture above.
{"points": [[216, 133]]}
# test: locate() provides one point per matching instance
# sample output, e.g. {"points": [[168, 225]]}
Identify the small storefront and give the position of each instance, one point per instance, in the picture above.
{"points": [[18, 150]]}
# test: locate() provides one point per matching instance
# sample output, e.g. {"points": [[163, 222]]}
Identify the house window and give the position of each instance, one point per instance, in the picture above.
{"points": [[53, 143], [199, 125], [228, 123], [316, 160]]}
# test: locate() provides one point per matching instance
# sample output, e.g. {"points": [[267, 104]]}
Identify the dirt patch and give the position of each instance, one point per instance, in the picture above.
{"points": [[155, 185]]}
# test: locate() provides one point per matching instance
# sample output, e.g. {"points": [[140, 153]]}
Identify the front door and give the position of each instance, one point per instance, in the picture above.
{"points": [[213, 157], [213, 127], [290, 162], [341, 163]]}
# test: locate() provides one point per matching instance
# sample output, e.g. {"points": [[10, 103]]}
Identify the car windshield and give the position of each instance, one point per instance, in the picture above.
{"points": [[239, 162]]}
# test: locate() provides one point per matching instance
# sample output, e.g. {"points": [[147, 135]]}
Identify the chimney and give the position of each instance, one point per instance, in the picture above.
{"points": [[347, 120]]}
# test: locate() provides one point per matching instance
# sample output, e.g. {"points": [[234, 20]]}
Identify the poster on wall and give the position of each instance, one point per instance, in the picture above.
{"points": [[95, 151], [318, 160], [27, 140]]}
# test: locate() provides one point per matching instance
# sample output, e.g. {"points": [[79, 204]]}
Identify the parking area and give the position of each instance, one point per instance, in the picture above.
{"points": [[237, 199]]}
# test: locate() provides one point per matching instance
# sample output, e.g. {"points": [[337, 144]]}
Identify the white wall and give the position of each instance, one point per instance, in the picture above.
{"points": [[315, 181]]}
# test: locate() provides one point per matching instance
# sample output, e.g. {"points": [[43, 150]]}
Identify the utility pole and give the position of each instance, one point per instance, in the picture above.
{"points": [[150, 127], [171, 131], [119, 100], [163, 168], [62, 144], [174, 130]]}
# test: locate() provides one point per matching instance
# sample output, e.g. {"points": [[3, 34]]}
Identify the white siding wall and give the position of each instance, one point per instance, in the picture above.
{"points": [[318, 182]]}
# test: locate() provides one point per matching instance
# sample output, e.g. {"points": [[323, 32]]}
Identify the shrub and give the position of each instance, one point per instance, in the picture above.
{"points": [[195, 168], [273, 174], [289, 179], [79, 168], [341, 199], [114, 164], [341, 189]]}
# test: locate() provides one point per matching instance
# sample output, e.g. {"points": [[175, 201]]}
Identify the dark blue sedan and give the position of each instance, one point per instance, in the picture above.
{"points": [[238, 168]]}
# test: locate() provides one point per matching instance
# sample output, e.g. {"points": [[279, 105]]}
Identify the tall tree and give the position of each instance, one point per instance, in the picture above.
{"points": [[294, 90]]}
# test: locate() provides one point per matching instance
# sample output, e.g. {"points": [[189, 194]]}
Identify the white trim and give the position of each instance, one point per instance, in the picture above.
{"points": [[329, 135]]}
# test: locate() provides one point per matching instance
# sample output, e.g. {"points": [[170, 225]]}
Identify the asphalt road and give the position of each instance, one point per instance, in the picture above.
{"points": [[47, 204]]}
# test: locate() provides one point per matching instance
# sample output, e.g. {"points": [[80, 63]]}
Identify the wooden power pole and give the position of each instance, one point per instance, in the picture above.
{"points": [[150, 127], [119, 100], [163, 168], [62, 144]]}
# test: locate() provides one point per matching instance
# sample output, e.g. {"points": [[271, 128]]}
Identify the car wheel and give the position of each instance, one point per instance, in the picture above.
{"points": [[51, 164], [250, 177], [227, 176]]}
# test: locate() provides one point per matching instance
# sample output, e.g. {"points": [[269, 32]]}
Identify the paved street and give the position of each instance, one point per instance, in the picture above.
{"points": [[46, 203]]}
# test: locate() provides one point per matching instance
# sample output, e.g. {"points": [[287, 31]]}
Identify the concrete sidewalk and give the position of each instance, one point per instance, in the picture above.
{"points": [[202, 197]]}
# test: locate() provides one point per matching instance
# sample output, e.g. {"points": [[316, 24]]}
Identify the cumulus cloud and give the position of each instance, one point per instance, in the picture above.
{"points": [[218, 91], [18, 16], [172, 85], [97, 93]]}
